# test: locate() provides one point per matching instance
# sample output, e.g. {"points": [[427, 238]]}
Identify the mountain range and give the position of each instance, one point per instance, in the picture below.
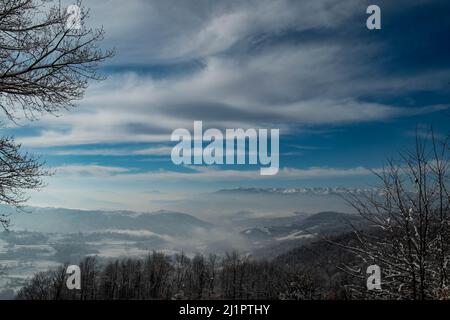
{"points": [[42, 238]]}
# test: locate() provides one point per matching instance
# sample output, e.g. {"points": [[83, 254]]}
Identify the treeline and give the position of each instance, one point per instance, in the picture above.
{"points": [[159, 276]]}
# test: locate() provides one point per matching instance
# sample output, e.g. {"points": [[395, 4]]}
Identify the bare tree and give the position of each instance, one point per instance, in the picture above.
{"points": [[45, 65], [212, 265], [409, 224], [89, 271], [301, 285], [200, 276], [18, 173]]}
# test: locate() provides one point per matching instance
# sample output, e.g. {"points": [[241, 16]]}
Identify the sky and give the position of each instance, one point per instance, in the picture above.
{"points": [[344, 97]]}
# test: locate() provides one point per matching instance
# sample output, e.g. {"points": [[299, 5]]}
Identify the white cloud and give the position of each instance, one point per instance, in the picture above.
{"points": [[284, 86], [241, 80], [148, 31], [108, 187], [135, 233], [225, 94], [155, 151], [203, 173], [92, 170]]}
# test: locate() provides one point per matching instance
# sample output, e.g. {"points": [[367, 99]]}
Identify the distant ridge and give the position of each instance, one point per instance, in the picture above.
{"points": [[72, 220], [293, 191]]}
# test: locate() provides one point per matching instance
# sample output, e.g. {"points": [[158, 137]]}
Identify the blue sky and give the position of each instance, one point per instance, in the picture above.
{"points": [[344, 97]]}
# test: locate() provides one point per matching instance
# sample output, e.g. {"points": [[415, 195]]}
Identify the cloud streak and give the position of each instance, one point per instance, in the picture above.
{"points": [[309, 68], [201, 173], [251, 71]]}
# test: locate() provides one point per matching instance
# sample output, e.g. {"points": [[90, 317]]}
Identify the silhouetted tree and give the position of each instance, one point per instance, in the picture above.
{"points": [[409, 216], [19, 172], [45, 65]]}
